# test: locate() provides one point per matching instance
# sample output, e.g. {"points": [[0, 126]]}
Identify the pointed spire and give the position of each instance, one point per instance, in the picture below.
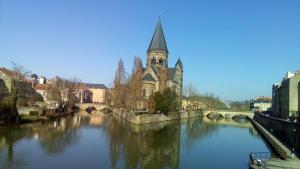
{"points": [[158, 41], [179, 63]]}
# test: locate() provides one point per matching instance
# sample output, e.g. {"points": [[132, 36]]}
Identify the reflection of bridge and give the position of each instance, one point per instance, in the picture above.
{"points": [[84, 106], [227, 114], [228, 122]]}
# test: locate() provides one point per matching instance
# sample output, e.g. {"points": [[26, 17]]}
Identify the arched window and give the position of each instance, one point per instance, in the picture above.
{"points": [[161, 62], [153, 60]]}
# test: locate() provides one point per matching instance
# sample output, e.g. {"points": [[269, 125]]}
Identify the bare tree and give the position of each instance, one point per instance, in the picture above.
{"points": [[119, 94], [64, 92], [134, 92], [197, 101], [19, 72], [71, 89]]}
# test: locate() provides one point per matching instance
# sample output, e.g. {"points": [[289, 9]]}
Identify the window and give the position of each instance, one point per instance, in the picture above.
{"points": [[161, 62], [153, 60]]}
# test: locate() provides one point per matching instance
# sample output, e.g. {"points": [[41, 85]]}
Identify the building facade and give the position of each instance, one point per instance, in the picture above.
{"points": [[276, 103], [99, 93], [261, 104], [298, 98], [286, 96], [157, 74]]}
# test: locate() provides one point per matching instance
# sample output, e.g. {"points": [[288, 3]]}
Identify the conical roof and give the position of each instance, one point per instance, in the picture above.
{"points": [[179, 63], [158, 41]]}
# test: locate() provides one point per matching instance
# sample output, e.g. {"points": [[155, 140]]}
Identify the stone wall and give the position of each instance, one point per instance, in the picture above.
{"points": [[286, 131], [26, 110], [153, 118], [5, 87]]}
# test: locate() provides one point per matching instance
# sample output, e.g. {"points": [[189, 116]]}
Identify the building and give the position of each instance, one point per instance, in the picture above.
{"points": [[84, 95], [276, 104], [298, 98], [42, 90], [285, 95], [42, 80], [157, 74], [261, 104], [99, 92]]}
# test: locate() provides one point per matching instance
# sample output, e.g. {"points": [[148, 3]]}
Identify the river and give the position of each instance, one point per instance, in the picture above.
{"points": [[108, 142]]}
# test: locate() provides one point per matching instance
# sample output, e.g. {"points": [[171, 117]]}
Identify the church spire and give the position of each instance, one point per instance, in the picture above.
{"points": [[158, 41]]}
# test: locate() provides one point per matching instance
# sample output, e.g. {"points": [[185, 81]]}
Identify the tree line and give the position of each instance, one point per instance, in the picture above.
{"points": [[193, 100]]}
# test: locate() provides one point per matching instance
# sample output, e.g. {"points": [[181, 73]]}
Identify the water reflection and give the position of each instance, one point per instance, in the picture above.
{"points": [[146, 146], [53, 137], [128, 146]]}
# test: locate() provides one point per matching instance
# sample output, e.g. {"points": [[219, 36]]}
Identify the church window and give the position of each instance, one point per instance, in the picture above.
{"points": [[153, 60], [161, 62]]}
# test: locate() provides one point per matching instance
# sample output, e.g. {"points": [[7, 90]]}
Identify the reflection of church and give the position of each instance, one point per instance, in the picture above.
{"points": [[157, 74]]}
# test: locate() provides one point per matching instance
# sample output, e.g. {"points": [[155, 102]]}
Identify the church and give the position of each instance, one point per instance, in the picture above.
{"points": [[157, 74]]}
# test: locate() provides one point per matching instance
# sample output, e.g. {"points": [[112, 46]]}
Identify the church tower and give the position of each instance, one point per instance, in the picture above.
{"points": [[158, 75], [157, 53]]}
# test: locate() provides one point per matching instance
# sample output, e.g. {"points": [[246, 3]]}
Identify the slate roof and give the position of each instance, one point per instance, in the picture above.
{"points": [[154, 68], [158, 41], [149, 77], [179, 63], [97, 86]]}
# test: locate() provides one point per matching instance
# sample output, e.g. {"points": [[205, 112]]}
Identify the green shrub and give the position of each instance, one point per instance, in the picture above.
{"points": [[165, 102]]}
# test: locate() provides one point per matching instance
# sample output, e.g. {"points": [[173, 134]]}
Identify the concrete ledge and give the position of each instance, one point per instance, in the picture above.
{"points": [[281, 149], [154, 118]]}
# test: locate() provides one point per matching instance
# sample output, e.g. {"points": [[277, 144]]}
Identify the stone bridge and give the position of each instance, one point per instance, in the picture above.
{"points": [[97, 106], [227, 114], [229, 122]]}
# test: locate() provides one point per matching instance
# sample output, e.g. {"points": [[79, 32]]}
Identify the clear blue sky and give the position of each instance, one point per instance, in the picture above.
{"points": [[235, 49]]}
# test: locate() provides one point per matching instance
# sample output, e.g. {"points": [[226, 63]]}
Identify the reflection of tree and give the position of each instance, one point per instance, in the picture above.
{"points": [[196, 129], [144, 146], [56, 140], [12, 135], [52, 139]]}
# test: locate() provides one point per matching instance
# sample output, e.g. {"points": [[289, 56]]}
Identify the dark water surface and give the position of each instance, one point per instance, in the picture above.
{"points": [[108, 142]]}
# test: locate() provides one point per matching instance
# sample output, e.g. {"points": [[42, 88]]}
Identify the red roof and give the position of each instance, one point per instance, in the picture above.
{"points": [[40, 87]]}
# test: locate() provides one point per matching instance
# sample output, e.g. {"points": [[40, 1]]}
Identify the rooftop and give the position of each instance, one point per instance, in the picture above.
{"points": [[158, 41], [94, 85]]}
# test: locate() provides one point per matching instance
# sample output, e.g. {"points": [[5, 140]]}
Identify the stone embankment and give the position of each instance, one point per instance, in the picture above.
{"points": [[153, 118], [281, 149], [286, 131]]}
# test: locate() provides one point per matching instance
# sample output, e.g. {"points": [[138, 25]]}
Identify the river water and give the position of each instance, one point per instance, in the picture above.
{"points": [[97, 141]]}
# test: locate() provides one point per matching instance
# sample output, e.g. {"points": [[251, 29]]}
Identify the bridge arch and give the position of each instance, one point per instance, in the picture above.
{"points": [[241, 118], [227, 114], [215, 116]]}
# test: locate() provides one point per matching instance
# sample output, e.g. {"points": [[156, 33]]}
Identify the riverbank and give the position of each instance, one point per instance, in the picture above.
{"points": [[29, 119], [154, 118]]}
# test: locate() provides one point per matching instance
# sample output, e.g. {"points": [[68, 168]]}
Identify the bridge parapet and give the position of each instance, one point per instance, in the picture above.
{"points": [[84, 106], [230, 114]]}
